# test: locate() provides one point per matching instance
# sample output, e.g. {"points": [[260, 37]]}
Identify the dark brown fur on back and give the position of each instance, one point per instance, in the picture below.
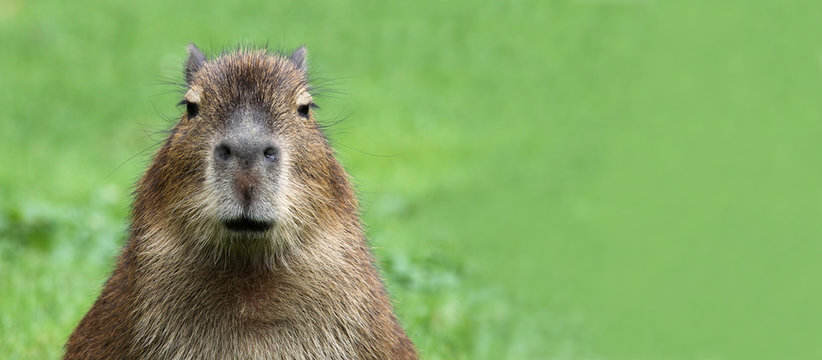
{"points": [[184, 287]]}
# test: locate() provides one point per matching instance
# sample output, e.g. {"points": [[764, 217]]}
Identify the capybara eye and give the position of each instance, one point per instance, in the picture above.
{"points": [[302, 110], [222, 152], [271, 153], [192, 109]]}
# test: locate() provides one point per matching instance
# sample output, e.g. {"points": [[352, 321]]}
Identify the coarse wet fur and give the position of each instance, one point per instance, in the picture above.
{"points": [[245, 240]]}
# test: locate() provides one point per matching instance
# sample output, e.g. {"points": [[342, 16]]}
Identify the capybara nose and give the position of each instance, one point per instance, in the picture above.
{"points": [[246, 152]]}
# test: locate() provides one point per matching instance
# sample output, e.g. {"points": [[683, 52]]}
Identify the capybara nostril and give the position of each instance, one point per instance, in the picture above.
{"points": [[222, 152]]}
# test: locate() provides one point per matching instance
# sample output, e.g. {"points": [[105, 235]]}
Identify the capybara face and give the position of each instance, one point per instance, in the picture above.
{"points": [[248, 153]]}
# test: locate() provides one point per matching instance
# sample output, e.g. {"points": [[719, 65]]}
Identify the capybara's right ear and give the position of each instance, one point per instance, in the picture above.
{"points": [[195, 61]]}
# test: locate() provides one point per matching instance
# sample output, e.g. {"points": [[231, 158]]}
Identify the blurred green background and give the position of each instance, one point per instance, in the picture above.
{"points": [[589, 179]]}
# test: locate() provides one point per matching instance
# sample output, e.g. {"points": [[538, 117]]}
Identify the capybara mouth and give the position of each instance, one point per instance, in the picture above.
{"points": [[245, 224]]}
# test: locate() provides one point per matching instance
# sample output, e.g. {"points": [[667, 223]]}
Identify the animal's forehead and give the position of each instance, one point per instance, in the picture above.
{"points": [[250, 75]]}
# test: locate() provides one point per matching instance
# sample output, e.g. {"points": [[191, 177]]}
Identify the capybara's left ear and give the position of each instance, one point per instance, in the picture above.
{"points": [[298, 58]]}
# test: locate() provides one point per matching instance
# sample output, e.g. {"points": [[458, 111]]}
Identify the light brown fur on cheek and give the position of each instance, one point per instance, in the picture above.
{"points": [[186, 287]]}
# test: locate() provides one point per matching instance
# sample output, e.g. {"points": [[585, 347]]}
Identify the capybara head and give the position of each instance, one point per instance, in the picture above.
{"points": [[247, 165]]}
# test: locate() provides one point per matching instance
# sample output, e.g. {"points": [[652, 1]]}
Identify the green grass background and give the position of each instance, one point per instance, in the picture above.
{"points": [[589, 179]]}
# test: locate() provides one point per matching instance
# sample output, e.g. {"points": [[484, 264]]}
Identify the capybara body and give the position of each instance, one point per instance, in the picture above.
{"points": [[245, 240]]}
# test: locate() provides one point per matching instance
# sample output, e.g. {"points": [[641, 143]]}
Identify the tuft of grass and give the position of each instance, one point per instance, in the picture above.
{"points": [[54, 260]]}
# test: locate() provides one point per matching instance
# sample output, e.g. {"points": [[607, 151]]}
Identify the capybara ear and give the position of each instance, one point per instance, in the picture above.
{"points": [[195, 61], [298, 58]]}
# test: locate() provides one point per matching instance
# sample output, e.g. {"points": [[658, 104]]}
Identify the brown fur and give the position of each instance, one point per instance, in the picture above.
{"points": [[184, 287]]}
